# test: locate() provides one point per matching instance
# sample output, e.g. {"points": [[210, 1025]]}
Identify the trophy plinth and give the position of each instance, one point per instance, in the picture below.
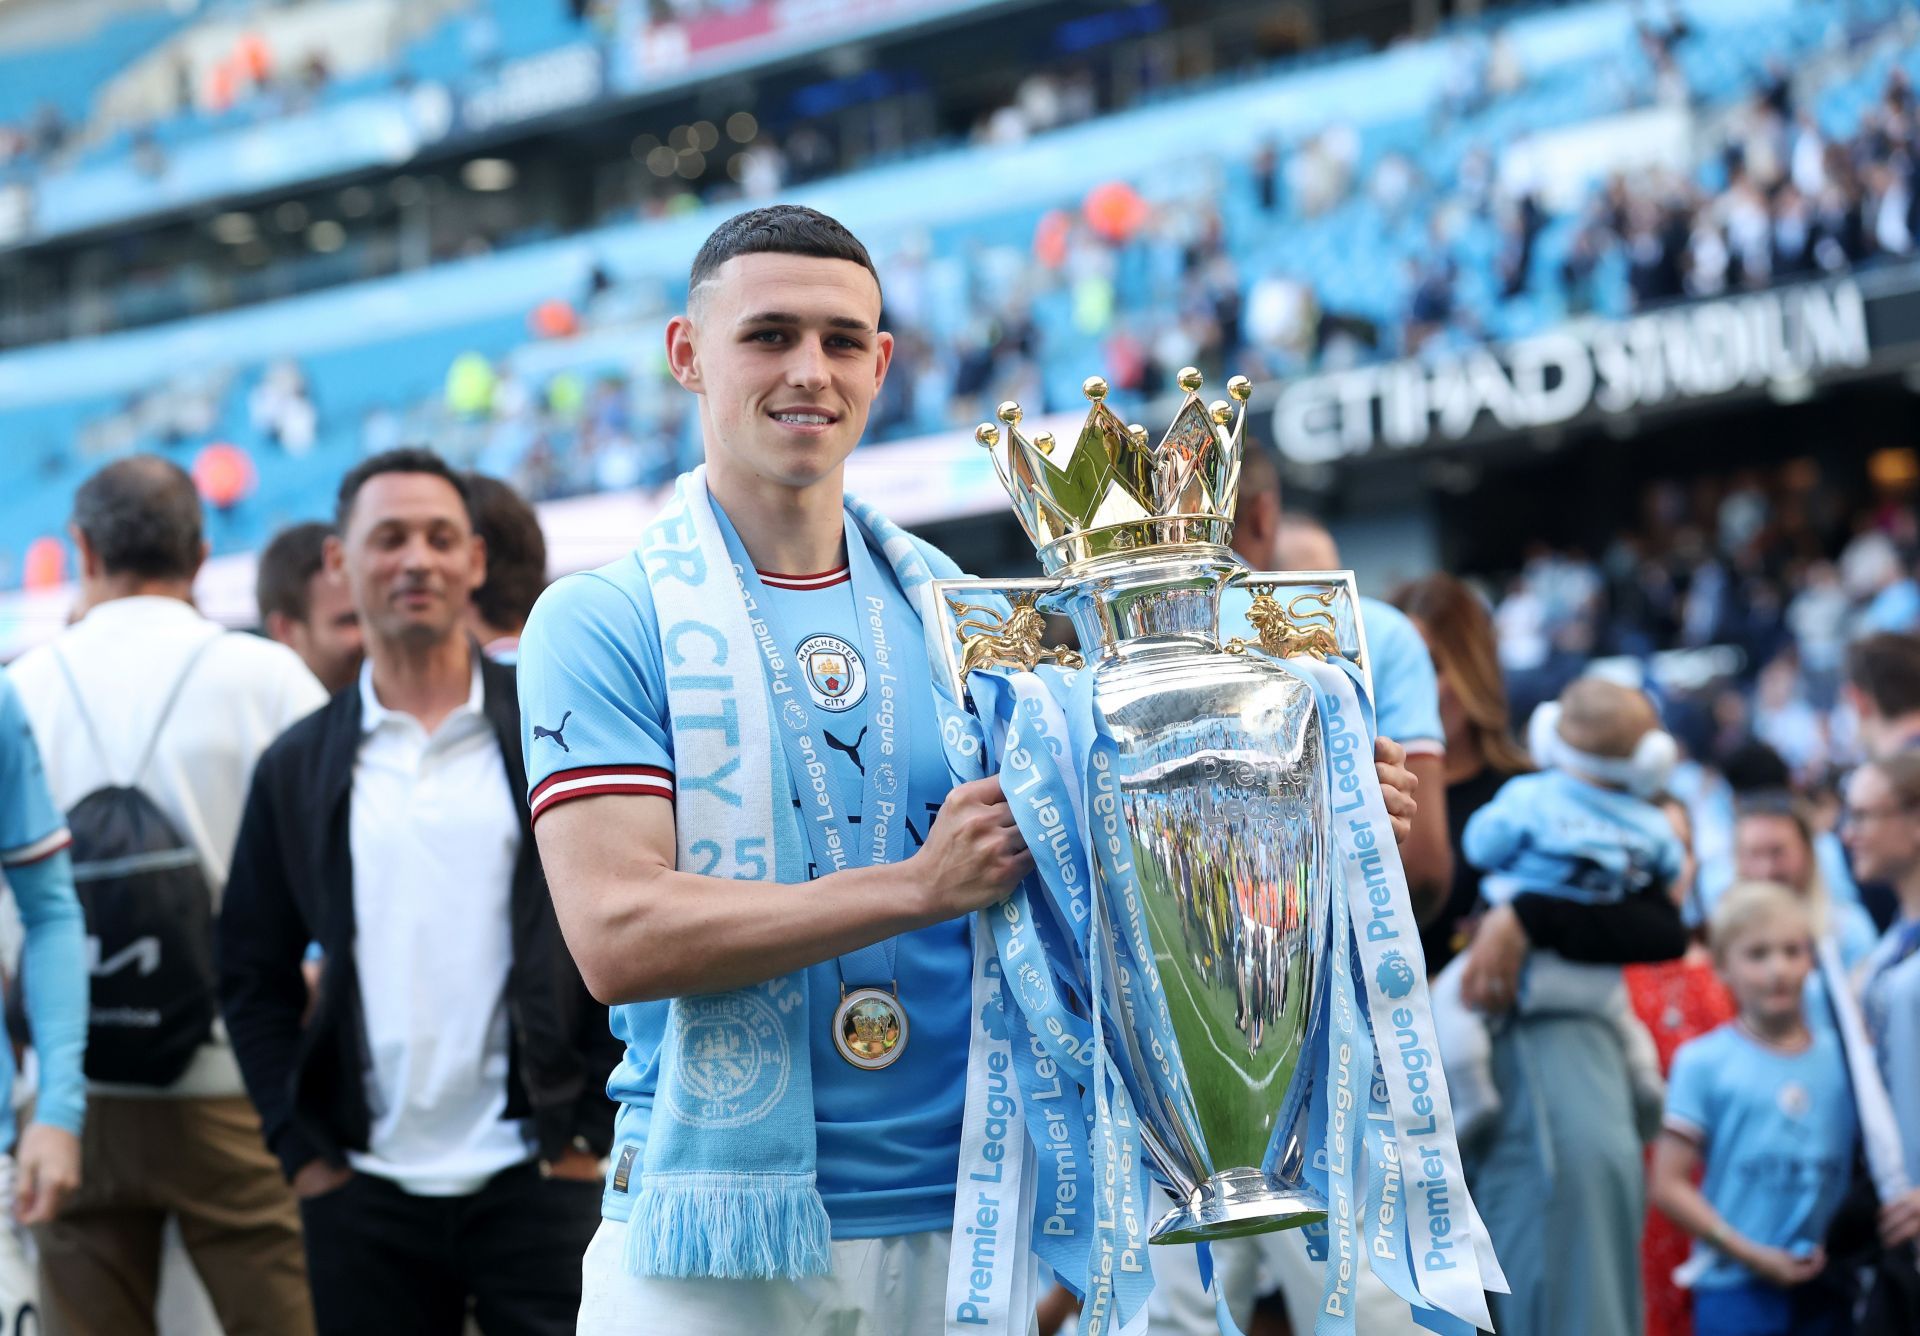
{"points": [[1219, 774]]}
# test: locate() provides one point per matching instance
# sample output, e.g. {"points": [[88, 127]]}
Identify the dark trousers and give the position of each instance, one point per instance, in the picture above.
{"points": [[1760, 1309], [383, 1260]]}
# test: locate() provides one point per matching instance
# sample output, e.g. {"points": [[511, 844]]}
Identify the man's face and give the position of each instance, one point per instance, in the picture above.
{"points": [[329, 639], [1769, 848], [787, 355], [1255, 523], [1878, 830], [1306, 547], [410, 557]]}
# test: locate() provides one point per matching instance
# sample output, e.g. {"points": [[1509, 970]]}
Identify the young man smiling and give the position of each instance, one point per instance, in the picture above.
{"points": [[723, 929]]}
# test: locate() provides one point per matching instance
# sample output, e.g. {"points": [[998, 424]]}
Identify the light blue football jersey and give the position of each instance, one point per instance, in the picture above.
{"points": [[1552, 834], [1777, 1130], [31, 827], [593, 672], [32, 830]]}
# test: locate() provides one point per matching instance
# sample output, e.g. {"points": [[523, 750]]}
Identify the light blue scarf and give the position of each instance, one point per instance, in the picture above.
{"points": [[728, 1189]]}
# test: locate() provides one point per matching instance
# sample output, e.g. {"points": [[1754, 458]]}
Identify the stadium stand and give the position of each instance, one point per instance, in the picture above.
{"points": [[1315, 218]]}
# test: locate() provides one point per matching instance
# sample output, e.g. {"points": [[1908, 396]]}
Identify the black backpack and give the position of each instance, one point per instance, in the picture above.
{"points": [[149, 913]]}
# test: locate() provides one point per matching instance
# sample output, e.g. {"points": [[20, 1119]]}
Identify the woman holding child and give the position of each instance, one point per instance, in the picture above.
{"points": [[1560, 1180]]}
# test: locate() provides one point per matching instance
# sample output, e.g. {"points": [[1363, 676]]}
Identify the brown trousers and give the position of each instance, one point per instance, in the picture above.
{"points": [[203, 1161]]}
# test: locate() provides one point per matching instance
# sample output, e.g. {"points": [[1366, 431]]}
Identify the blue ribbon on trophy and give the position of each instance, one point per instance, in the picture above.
{"points": [[1214, 970]]}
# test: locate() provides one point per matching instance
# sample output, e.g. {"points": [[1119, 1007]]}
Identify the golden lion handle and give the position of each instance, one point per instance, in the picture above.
{"points": [[1294, 614], [1015, 638]]}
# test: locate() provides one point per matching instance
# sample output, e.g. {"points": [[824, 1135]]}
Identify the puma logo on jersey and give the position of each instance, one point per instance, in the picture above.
{"points": [[852, 749], [557, 734]]}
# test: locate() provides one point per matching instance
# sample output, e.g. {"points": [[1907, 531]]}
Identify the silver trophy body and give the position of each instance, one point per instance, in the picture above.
{"points": [[1223, 791], [1220, 778]]}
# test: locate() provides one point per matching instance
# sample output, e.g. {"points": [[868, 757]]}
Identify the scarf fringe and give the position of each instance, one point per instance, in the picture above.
{"points": [[728, 1226]]}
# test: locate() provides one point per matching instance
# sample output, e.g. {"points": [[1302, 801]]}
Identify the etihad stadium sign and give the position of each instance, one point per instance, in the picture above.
{"points": [[1784, 337]]}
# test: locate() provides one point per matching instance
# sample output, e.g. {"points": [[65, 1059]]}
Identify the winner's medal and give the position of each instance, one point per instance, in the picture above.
{"points": [[870, 1024], [870, 1027]]}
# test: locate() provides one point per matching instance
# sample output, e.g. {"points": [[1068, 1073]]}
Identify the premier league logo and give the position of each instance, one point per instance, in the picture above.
{"points": [[1395, 975], [836, 677]]}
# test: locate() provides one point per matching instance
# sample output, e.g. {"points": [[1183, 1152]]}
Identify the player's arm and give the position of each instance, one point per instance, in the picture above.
{"points": [[640, 929], [33, 853], [1408, 706], [1427, 852]]}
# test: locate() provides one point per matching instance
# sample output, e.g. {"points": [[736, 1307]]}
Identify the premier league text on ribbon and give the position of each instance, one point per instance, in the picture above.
{"points": [[983, 1235], [1347, 751]]}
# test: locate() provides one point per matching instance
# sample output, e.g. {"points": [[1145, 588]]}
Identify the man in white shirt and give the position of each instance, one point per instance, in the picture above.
{"points": [[96, 697], [441, 1114]]}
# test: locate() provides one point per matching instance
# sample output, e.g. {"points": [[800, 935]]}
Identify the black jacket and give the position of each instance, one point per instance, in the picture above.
{"points": [[292, 883]]}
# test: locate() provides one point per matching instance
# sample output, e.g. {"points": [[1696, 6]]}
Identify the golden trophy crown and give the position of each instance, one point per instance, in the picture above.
{"points": [[1112, 492]]}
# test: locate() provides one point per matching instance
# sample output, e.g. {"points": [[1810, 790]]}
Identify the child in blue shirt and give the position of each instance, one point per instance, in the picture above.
{"points": [[1764, 1105], [1585, 828]]}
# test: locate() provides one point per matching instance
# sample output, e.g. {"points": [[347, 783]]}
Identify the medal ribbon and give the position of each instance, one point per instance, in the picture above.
{"points": [[882, 834]]}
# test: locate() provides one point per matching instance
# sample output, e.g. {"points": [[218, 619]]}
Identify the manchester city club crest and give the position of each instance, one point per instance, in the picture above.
{"points": [[836, 677], [733, 1060]]}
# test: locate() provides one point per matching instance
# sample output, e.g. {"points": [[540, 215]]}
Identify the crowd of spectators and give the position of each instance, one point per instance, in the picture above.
{"points": [[1142, 283], [1772, 564], [1195, 269]]}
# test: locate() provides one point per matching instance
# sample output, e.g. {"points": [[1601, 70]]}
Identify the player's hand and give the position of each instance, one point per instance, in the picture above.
{"points": [[1490, 981], [1054, 1308], [1900, 1219], [48, 1161], [1397, 784], [317, 1178], [1779, 1267], [974, 856]]}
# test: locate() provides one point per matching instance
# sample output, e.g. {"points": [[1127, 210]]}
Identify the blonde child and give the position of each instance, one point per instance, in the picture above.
{"points": [[1763, 1105]]}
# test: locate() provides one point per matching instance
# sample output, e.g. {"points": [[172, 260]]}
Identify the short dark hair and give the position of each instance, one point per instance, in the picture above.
{"points": [[407, 459], [1885, 667], [1259, 470], [1775, 802], [287, 566], [141, 516], [778, 229], [1755, 768], [516, 552]]}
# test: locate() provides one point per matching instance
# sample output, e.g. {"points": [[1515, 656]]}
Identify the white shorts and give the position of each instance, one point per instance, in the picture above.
{"points": [[879, 1287]]}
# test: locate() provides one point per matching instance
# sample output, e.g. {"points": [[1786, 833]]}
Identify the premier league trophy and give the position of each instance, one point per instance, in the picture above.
{"points": [[1218, 771]]}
